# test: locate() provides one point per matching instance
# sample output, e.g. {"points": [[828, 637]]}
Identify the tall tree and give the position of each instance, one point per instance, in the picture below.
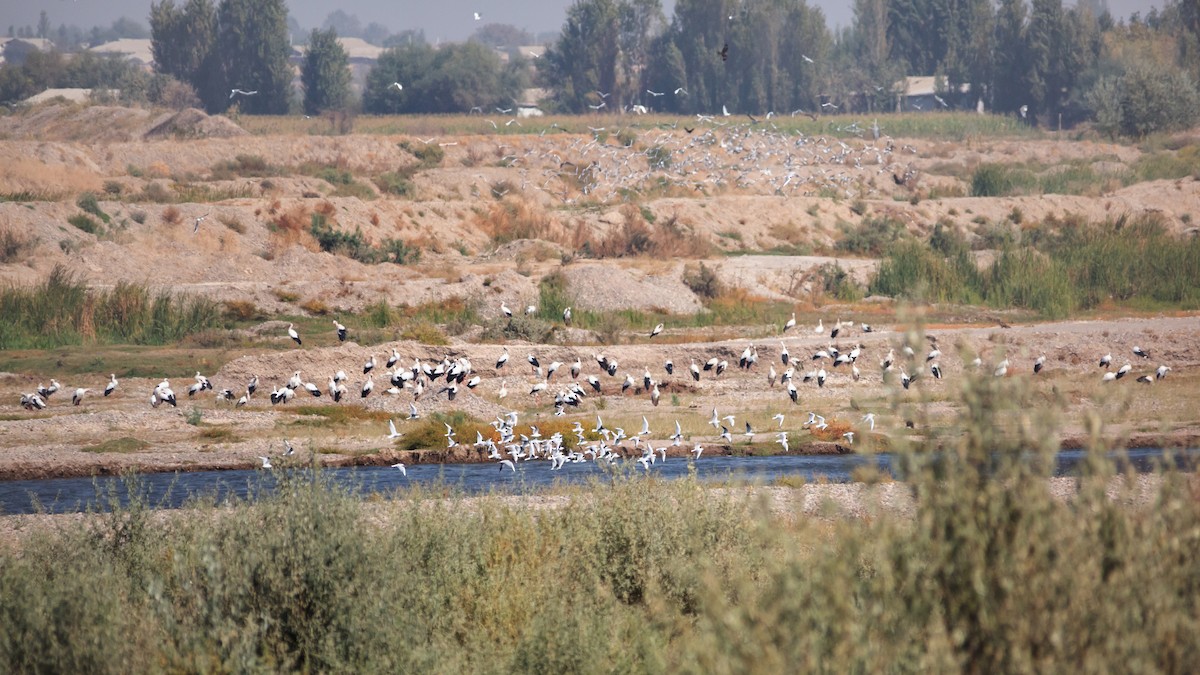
{"points": [[1010, 68], [253, 47], [1043, 38], [343, 23], [604, 47], [182, 40], [455, 78], [43, 25], [325, 73], [871, 33]]}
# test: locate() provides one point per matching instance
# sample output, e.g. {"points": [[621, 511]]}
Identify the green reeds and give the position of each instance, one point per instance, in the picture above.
{"points": [[63, 311], [1068, 266]]}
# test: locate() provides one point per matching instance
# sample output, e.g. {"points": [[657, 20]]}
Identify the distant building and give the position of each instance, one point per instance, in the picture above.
{"points": [[532, 51], [22, 46], [529, 102], [920, 93], [138, 51], [74, 95]]}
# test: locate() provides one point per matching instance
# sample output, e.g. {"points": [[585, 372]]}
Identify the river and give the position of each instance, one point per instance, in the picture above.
{"points": [[173, 490]]}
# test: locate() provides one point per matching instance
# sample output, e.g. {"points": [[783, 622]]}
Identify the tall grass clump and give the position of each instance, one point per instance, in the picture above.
{"points": [[914, 270], [1061, 267], [63, 311], [988, 572], [873, 236], [1001, 180], [553, 297]]}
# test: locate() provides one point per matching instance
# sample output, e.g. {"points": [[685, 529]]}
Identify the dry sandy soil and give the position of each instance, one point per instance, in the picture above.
{"points": [[733, 189]]}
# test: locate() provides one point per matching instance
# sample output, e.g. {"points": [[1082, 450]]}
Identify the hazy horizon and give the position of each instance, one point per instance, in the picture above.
{"points": [[449, 20]]}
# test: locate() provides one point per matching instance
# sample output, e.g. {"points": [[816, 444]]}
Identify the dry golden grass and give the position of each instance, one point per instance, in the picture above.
{"points": [[515, 219], [23, 174], [315, 306], [289, 228]]}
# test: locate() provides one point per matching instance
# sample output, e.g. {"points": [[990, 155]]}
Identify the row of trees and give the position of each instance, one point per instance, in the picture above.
{"points": [[761, 55], [238, 44], [746, 55], [453, 78]]}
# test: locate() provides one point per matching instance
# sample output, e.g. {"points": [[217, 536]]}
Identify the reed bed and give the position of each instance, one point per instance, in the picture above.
{"points": [[1057, 270], [63, 311]]}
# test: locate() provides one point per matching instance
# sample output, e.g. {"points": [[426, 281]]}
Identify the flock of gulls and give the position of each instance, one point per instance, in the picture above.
{"points": [[565, 386], [717, 152]]}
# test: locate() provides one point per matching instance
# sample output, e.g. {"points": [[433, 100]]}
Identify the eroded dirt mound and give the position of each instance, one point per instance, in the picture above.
{"points": [[193, 123], [113, 124]]}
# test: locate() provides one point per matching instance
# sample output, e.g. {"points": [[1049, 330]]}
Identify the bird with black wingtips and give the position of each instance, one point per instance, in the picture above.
{"points": [[724, 52], [291, 331], [1039, 364], [341, 330]]}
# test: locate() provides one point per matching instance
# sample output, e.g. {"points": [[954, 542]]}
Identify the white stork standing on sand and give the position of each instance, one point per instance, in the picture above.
{"points": [[77, 397], [112, 384]]}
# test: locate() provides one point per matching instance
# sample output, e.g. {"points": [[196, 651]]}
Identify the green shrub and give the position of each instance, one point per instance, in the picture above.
{"points": [[873, 236], [1001, 180], [86, 223], [837, 282], [428, 155], [397, 251], [553, 297], [702, 280], [88, 203], [395, 183]]}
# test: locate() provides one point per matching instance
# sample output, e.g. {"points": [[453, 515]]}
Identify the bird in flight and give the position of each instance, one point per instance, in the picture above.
{"points": [[235, 92], [478, 16], [724, 53], [396, 85], [196, 227]]}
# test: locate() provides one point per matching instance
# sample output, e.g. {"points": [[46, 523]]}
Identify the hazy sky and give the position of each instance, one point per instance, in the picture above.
{"points": [[445, 19]]}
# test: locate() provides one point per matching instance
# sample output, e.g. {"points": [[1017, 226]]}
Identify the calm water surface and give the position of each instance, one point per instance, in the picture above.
{"points": [[172, 490]]}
